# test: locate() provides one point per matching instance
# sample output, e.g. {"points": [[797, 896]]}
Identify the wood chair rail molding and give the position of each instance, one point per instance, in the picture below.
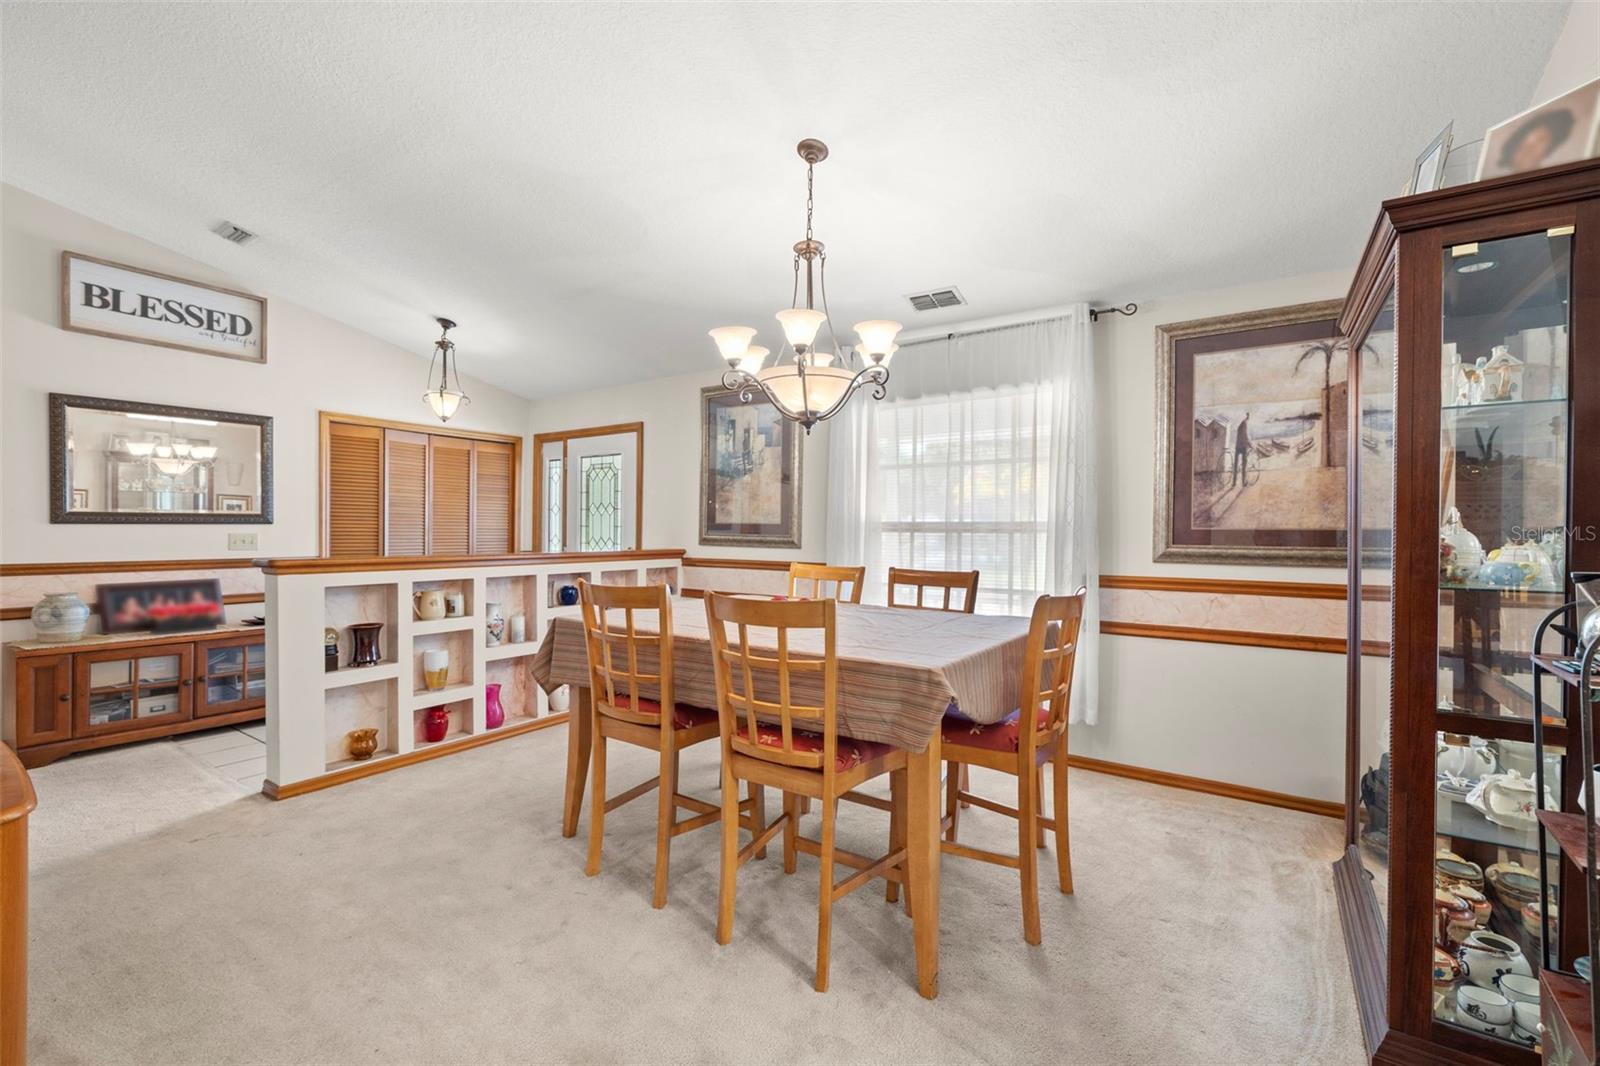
{"points": [[11, 614], [320, 564], [123, 566], [705, 563], [1241, 638], [1303, 590]]}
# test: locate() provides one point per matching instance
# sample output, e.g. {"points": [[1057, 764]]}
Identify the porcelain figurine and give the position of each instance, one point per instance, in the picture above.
{"points": [[494, 624], [363, 742], [1502, 376], [60, 617], [1485, 957], [494, 715], [429, 604]]}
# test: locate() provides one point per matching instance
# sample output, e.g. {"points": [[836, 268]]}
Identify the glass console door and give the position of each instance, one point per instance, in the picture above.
{"points": [[115, 691], [1504, 425], [232, 676]]}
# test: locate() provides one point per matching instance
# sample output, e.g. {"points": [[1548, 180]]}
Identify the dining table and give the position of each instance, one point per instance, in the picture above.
{"points": [[900, 671]]}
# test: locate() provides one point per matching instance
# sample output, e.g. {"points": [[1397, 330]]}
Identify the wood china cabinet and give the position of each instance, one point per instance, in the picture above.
{"points": [[1476, 315]]}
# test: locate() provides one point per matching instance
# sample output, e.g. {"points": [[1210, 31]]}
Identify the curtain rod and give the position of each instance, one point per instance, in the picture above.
{"points": [[989, 325]]}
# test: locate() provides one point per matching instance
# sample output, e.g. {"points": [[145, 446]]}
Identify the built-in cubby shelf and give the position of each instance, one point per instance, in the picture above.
{"points": [[315, 709]]}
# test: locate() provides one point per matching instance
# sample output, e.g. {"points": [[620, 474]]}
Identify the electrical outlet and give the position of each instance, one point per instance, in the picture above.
{"points": [[241, 542]]}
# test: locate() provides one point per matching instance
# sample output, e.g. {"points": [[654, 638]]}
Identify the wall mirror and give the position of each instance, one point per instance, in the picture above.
{"points": [[127, 461]]}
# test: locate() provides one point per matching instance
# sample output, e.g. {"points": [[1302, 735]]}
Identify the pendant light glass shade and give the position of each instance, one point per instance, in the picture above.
{"points": [[877, 335], [732, 341], [808, 397], [800, 325], [751, 361], [445, 402]]}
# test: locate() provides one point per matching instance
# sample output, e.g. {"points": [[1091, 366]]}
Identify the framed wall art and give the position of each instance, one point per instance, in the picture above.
{"points": [[1251, 441], [114, 300], [749, 472], [162, 606]]}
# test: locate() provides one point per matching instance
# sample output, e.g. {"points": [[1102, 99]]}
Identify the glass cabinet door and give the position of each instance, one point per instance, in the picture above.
{"points": [[232, 677], [115, 691], [1504, 427]]}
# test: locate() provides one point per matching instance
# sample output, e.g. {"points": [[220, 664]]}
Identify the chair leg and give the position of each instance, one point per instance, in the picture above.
{"points": [[955, 774], [666, 815], [791, 830], [805, 804], [597, 801], [1028, 855], [825, 899], [966, 785], [1063, 848], [758, 813], [1038, 805], [897, 829], [730, 852]]}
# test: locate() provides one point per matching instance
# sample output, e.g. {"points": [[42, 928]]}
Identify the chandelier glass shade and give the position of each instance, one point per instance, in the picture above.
{"points": [[810, 380], [446, 397]]}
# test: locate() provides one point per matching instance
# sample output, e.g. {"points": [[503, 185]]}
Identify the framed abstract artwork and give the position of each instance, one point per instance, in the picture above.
{"points": [[1252, 438], [749, 472]]}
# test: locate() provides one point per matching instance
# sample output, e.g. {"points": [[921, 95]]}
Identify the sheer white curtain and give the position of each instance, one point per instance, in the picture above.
{"points": [[980, 458]]}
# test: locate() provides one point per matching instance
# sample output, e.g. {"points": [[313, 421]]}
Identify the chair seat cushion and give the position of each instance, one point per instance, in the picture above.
{"points": [[1004, 735], [684, 715], [849, 754]]}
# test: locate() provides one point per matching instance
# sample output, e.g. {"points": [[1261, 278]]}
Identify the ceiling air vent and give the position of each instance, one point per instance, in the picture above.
{"points": [[229, 232], [936, 299]]}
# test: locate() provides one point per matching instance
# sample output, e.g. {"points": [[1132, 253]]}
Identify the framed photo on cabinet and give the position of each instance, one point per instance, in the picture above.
{"points": [[1251, 428], [749, 472], [114, 300]]}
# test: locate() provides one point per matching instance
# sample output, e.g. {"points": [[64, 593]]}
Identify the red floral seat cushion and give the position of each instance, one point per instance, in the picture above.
{"points": [[847, 756], [684, 715], [1004, 735]]}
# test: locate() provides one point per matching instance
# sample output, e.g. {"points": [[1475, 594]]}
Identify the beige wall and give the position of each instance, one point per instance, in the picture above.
{"points": [[314, 363], [1575, 59]]}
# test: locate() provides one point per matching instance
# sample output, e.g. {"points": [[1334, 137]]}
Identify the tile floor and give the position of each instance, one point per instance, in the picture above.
{"points": [[238, 754]]}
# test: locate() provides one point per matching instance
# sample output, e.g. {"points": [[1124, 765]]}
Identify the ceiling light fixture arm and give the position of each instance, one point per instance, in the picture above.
{"points": [[748, 385]]}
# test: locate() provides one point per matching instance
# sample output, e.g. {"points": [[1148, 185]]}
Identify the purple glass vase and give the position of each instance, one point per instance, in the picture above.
{"points": [[494, 715]]}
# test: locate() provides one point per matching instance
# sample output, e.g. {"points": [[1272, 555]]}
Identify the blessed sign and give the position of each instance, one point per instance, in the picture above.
{"points": [[112, 300]]}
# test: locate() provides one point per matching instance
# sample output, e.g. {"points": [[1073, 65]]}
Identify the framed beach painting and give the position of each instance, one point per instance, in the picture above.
{"points": [[749, 472], [1252, 438]]}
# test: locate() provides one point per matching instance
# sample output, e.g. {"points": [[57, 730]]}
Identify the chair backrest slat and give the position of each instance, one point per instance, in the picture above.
{"points": [[817, 576], [748, 675], [629, 666], [1047, 668], [949, 581]]}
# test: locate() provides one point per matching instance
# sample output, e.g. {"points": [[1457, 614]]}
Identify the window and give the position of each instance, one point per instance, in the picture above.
{"points": [[588, 495], [390, 488], [552, 504], [963, 487], [600, 520]]}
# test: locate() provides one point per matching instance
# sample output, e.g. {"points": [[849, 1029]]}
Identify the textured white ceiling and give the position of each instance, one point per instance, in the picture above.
{"points": [[587, 188]]}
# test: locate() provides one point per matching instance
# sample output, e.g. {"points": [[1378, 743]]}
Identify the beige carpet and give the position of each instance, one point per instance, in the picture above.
{"points": [[435, 915]]}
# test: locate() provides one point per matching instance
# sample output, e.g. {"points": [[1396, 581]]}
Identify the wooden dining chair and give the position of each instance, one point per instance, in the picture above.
{"points": [[794, 746], [626, 704], [1022, 744], [819, 576], [946, 581]]}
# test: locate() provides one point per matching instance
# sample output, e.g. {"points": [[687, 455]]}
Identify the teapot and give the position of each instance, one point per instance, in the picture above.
{"points": [[429, 603], [1507, 799]]}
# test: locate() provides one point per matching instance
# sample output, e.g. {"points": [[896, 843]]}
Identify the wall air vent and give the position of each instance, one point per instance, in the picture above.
{"points": [[936, 299], [229, 232]]}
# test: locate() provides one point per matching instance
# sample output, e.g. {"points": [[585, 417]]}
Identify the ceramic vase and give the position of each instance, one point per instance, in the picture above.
{"points": [[435, 724], [560, 700], [429, 604], [494, 715], [494, 624], [435, 668], [364, 644], [567, 595], [60, 617], [518, 628], [1486, 957], [363, 742], [455, 605]]}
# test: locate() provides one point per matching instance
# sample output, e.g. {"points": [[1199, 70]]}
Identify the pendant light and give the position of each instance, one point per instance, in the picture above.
{"points": [[445, 399]]}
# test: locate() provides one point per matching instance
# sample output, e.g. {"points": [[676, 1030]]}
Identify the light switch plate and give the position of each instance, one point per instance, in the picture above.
{"points": [[241, 542]]}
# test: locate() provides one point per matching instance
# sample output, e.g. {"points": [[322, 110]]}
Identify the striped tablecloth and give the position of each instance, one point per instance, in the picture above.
{"points": [[899, 670]]}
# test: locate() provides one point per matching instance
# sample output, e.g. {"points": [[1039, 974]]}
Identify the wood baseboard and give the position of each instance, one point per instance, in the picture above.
{"points": [[1327, 808], [272, 790]]}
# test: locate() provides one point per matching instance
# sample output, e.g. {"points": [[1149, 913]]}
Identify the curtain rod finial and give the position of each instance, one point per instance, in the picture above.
{"points": [[1126, 309]]}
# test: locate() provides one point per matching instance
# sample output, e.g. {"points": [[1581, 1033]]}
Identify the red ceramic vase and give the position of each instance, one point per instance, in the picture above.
{"points": [[435, 724], [494, 715]]}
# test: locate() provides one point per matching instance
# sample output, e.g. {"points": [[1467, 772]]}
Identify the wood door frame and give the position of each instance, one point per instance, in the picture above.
{"points": [[565, 435], [325, 418]]}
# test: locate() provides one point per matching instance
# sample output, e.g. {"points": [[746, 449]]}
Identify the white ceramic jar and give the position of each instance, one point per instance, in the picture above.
{"points": [[60, 617], [1486, 957], [1483, 1009]]}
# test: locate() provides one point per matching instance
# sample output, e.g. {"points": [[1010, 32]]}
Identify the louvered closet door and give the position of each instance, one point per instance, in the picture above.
{"points": [[493, 513], [450, 531], [355, 490], [406, 474]]}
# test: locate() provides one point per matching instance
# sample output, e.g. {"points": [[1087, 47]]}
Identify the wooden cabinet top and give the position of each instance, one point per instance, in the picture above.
{"points": [[142, 638]]}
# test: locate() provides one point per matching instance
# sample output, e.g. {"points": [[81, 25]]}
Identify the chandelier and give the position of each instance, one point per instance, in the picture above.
{"points": [[444, 399], [819, 380]]}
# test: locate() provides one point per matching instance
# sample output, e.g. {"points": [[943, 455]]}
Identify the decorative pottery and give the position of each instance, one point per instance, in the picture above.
{"points": [[518, 628], [363, 742], [494, 624], [1513, 755], [1483, 1009], [429, 604], [560, 699], [1460, 553], [494, 715], [364, 644], [1445, 972], [1454, 919], [60, 617], [1513, 883], [1487, 956], [1520, 989], [1481, 908], [455, 605], [1530, 919], [435, 724], [330, 649], [1448, 871], [567, 595], [1462, 757], [1507, 799], [435, 668], [1525, 1022]]}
